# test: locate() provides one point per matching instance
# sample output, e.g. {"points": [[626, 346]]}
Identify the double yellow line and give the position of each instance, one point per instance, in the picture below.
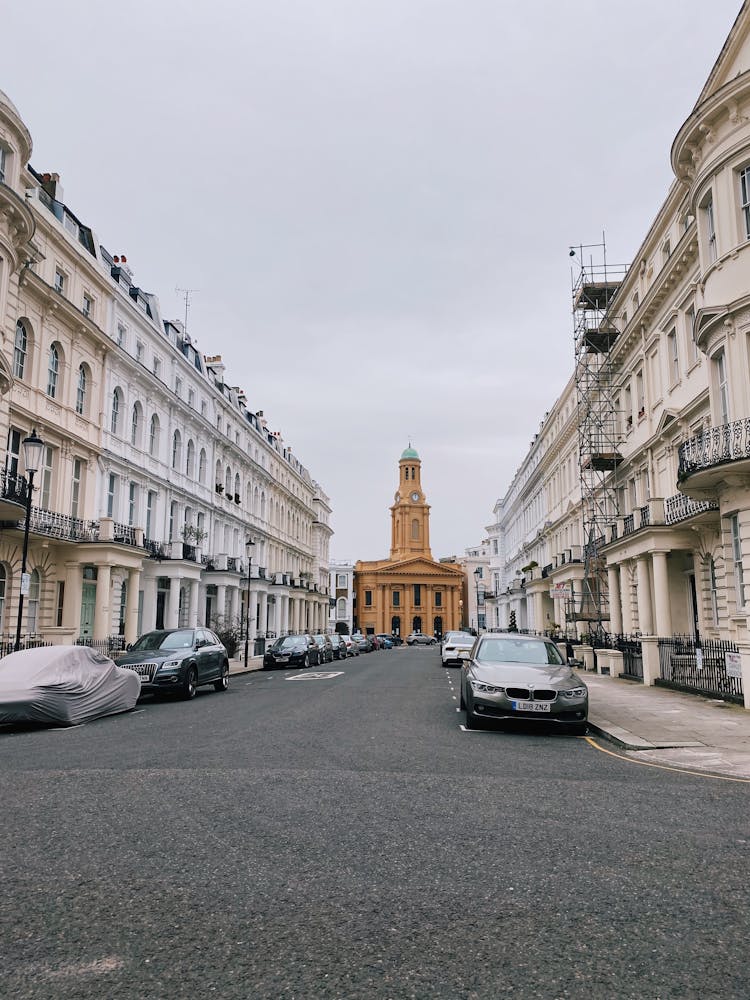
{"points": [[664, 767]]}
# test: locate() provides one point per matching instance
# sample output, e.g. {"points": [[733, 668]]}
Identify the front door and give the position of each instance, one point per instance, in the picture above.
{"points": [[694, 608], [88, 605], [161, 599]]}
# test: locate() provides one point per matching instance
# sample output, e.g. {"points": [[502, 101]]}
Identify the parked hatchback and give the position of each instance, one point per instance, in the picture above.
{"points": [[325, 648], [178, 660], [420, 639], [339, 646], [291, 651]]}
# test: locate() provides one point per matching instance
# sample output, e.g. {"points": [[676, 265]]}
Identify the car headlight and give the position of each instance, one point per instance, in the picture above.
{"points": [[483, 688], [171, 664], [575, 693]]}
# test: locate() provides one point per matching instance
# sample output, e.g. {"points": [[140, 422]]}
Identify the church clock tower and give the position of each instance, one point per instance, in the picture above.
{"points": [[410, 513]]}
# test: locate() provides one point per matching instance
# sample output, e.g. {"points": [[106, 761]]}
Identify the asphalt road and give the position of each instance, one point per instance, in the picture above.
{"points": [[344, 838]]}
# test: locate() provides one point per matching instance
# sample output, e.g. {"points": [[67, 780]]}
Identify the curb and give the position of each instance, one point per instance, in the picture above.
{"points": [[626, 740]]}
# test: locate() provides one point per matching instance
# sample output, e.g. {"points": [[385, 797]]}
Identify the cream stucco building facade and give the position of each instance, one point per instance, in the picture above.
{"points": [[676, 546], [156, 472]]}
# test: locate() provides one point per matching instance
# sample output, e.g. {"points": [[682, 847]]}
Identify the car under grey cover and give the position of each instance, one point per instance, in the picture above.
{"points": [[65, 685]]}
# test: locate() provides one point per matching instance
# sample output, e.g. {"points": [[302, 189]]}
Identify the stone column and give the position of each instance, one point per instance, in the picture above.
{"points": [[171, 618], [72, 597], [193, 607], [103, 610], [284, 616], [615, 602], [131, 605], [221, 601], [148, 623], [645, 614], [650, 652], [263, 606], [661, 595], [627, 611]]}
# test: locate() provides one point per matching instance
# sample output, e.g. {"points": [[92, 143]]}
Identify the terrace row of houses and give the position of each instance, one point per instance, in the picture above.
{"points": [[156, 473], [657, 411]]}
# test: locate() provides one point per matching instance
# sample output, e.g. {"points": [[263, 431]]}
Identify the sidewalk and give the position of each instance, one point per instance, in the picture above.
{"points": [[669, 727], [237, 664]]}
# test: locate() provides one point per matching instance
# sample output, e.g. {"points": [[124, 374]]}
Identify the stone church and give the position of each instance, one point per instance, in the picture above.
{"points": [[410, 591]]}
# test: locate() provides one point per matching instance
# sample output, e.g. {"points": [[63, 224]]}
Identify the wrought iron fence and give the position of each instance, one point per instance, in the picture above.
{"points": [[698, 667], [628, 645], [112, 644], [8, 645]]}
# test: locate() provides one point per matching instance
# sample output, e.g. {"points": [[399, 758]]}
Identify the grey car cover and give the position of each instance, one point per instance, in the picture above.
{"points": [[66, 685]]}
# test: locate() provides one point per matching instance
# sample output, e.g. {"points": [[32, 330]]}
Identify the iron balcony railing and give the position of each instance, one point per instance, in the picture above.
{"points": [[156, 550], [645, 516], [714, 446], [123, 533], [62, 526], [628, 524], [679, 508], [13, 487]]}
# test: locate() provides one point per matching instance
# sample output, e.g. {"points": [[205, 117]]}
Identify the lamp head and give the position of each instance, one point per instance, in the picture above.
{"points": [[249, 543], [33, 449]]}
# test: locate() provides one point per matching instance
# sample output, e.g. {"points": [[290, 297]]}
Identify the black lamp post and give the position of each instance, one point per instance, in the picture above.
{"points": [[249, 546], [33, 449], [477, 577]]}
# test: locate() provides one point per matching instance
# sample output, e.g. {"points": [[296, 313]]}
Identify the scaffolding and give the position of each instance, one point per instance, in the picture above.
{"points": [[594, 285]]}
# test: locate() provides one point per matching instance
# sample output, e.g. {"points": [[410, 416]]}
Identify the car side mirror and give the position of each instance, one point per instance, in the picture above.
{"points": [[128, 647]]}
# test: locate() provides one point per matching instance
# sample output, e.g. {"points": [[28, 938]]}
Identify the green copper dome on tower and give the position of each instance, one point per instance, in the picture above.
{"points": [[409, 453]]}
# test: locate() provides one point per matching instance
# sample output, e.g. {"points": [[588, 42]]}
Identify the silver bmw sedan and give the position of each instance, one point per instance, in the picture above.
{"points": [[515, 676]]}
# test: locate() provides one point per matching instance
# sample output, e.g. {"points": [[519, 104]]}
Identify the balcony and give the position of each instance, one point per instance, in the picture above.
{"points": [[681, 508], [61, 526], [13, 493], [703, 458]]}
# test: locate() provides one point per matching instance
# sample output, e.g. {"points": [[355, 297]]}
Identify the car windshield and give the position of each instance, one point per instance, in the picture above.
{"points": [[507, 650], [289, 642], [181, 639]]}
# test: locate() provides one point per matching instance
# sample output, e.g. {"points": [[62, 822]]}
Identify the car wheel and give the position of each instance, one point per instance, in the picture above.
{"points": [[306, 661], [190, 684], [223, 682], [472, 722]]}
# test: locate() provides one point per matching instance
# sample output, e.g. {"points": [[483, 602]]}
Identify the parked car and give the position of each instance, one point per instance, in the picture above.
{"points": [[325, 648], [420, 639], [385, 641], [339, 646], [456, 648], [352, 649], [178, 660], [292, 651], [512, 676], [364, 642], [374, 640], [396, 639], [64, 686]]}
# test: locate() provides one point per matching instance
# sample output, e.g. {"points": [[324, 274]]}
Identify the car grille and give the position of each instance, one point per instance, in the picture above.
{"points": [[527, 694], [145, 671]]}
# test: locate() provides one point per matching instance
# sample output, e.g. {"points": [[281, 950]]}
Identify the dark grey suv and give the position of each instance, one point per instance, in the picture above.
{"points": [[178, 660]]}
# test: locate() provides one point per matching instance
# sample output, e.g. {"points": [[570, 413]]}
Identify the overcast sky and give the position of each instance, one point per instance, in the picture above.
{"points": [[374, 199]]}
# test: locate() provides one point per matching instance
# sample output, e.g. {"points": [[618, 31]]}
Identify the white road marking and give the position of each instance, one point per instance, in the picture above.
{"points": [[316, 675]]}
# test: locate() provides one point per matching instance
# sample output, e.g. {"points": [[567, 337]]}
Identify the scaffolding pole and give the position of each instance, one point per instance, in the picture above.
{"points": [[594, 284]]}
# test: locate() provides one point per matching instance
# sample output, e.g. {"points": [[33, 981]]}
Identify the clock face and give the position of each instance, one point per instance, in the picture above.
{"points": [[415, 497]]}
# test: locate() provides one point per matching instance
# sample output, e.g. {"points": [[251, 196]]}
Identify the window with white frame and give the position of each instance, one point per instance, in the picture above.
{"points": [[47, 470], [112, 495], [709, 223], [32, 615], [121, 335], [739, 578], [640, 392], [673, 358], [341, 609], [341, 581], [722, 386], [139, 349], [3, 163], [88, 305], [713, 591], [53, 371], [628, 406], [150, 505], [135, 421], [692, 345], [745, 199], [153, 436], [20, 350], [114, 423], [178, 385], [132, 504], [156, 369], [172, 519], [81, 391], [176, 450], [59, 281], [75, 494]]}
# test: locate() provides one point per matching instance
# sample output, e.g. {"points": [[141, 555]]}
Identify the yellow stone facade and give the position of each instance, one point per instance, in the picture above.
{"points": [[410, 591]]}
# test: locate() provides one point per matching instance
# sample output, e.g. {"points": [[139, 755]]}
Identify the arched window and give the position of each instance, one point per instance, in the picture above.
{"points": [[190, 462], [219, 473], [263, 506], [136, 419], [416, 625], [53, 371], [81, 391], [202, 466], [228, 482], [176, 450], [32, 615], [237, 486], [172, 519], [116, 407], [153, 436], [415, 529], [395, 625], [20, 350], [256, 501], [341, 608]]}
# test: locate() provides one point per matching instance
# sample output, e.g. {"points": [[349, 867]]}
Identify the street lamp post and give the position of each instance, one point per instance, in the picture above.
{"points": [[460, 615], [477, 576], [249, 546], [33, 447]]}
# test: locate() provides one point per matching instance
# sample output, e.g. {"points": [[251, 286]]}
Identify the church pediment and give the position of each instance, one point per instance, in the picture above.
{"points": [[420, 567]]}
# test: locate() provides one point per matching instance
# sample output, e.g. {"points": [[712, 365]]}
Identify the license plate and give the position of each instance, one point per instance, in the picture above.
{"points": [[464, 653], [282, 659], [530, 706]]}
